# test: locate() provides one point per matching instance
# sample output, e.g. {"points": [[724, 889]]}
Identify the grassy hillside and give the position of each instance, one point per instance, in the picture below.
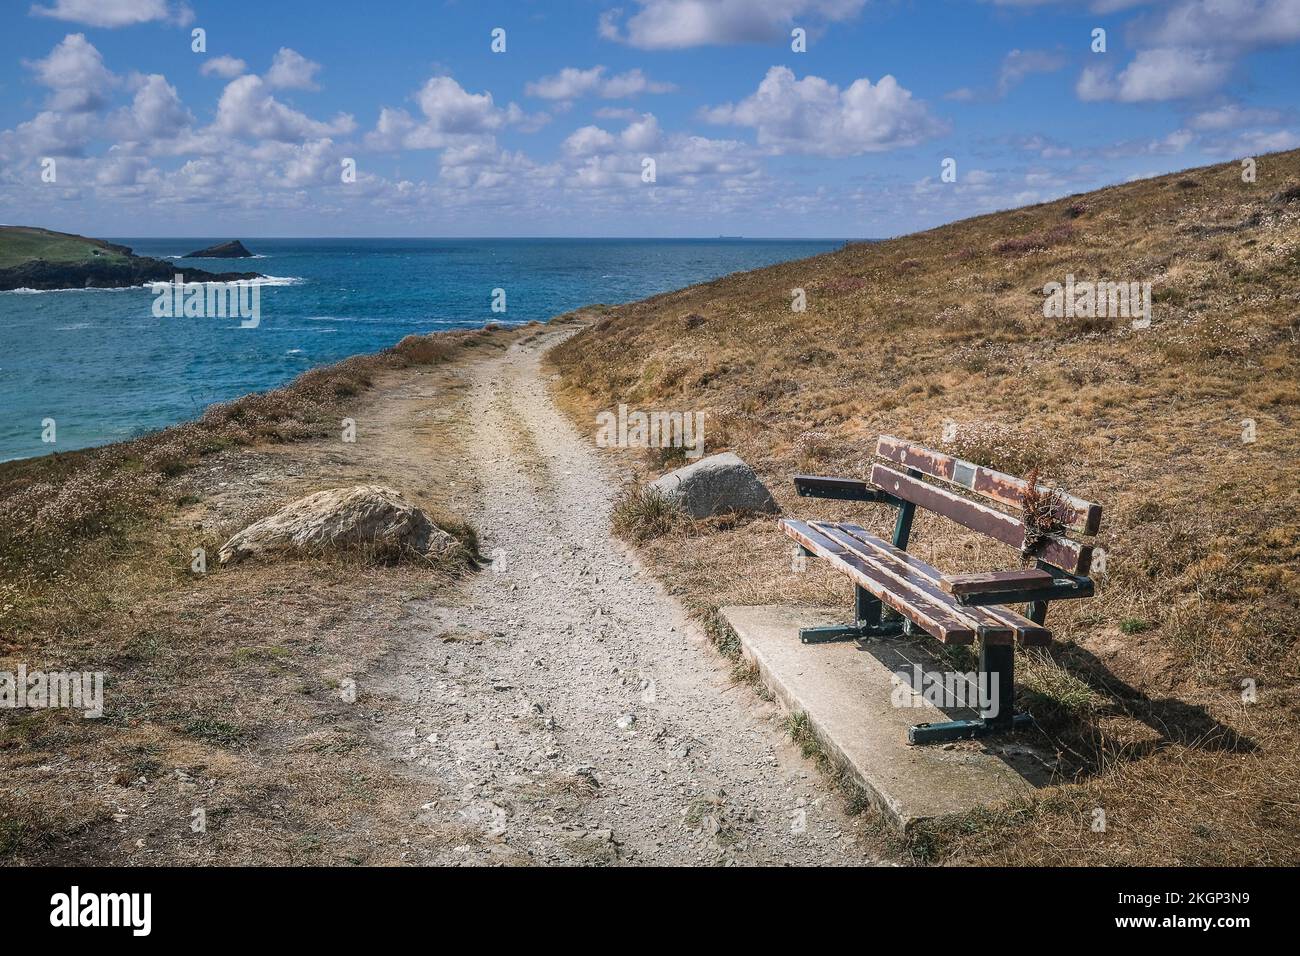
{"points": [[1142, 695], [19, 244]]}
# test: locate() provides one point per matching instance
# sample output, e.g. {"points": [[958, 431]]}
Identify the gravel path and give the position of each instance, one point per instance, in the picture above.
{"points": [[567, 711]]}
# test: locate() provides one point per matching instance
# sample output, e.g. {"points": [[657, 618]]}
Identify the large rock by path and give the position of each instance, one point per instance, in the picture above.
{"points": [[714, 485], [368, 516]]}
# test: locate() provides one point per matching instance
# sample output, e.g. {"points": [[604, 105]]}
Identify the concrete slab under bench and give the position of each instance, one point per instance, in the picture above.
{"points": [[846, 691]]}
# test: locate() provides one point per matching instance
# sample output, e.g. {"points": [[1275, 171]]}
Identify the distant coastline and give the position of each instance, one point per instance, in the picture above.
{"points": [[99, 362], [41, 260]]}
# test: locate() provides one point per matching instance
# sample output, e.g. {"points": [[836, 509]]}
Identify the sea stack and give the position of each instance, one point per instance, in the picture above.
{"points": [[234, 249]]}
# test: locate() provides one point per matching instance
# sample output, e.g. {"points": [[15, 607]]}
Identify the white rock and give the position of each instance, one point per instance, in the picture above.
{"points": [[369, 515], [716, 484]]}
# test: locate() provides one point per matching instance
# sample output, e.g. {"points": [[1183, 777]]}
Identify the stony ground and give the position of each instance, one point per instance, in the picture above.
{"points": [[566, 709]]}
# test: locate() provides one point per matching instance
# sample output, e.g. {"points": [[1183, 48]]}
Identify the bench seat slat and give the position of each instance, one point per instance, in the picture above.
{"points": [[885, 557], [1085, 517], [1055, 550], [945, 622], [1025, 630]]}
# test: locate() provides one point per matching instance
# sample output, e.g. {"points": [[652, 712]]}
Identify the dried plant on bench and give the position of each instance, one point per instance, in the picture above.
{"points": [[1043, 513]]}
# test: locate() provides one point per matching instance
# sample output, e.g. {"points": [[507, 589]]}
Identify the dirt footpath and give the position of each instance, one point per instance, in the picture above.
{"points": [[566, 711]]}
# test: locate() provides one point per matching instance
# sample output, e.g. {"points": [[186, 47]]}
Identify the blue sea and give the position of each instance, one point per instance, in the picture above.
{"points": [[105, 369]]}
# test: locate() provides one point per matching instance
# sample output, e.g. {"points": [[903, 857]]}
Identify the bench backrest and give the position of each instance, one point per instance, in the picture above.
{"points": [[1074, 514]]}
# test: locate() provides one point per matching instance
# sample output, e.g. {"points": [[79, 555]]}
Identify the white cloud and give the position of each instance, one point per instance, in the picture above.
{"points": [[815, 117], [1170, 144], [590, 141], [1095, 83], [1115, 6], [1233, 116], [640, 136], [121, 168], [226, 67], [607, 25], [50, 134], [1228, 24], [202, 174], [75, 72], [1044, 147], [156, 113], [682, 162], [290, 70], [1256, 142], [610, 164], [391, 131], [450, 108], [674, 24], [571, 84], [452, 117], [1018, 64], [508, 179], [1156, 75], [115, 13], [261, 156], [631, 83], [311, 163], [1192, 48], [247, 109]]}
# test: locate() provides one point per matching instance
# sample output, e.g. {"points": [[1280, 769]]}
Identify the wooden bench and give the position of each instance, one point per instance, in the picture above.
{"points": [[896, 592]]}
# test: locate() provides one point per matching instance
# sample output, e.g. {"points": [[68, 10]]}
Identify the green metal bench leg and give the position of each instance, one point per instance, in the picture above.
{"points": [[866, 622], [998, 661], [1036, 611], [998, 715], [950, 730], [866, 606]]}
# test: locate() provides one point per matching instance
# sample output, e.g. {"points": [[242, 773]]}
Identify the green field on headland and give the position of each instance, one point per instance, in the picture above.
{"points": [[19, 244]]}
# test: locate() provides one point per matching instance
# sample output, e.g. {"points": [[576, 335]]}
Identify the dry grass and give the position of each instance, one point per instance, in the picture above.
{"points": [[222, 690], [1202, 530], [644, 513]]}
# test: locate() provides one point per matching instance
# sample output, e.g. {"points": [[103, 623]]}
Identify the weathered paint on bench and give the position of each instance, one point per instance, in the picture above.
{"points": [[954, 609], [1083, 516], [1054, 549]]}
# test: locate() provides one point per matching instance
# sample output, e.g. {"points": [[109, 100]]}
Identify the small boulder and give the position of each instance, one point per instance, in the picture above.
{"points": [[714, 485], [366, 516]]}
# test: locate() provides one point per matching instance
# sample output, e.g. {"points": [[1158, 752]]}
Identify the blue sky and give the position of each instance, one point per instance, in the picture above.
{"points": [[551, 137]]}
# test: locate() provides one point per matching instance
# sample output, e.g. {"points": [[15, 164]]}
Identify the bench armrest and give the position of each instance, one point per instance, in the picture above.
{"points": [[994, 581], [1015, 587], [840, 489]]}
